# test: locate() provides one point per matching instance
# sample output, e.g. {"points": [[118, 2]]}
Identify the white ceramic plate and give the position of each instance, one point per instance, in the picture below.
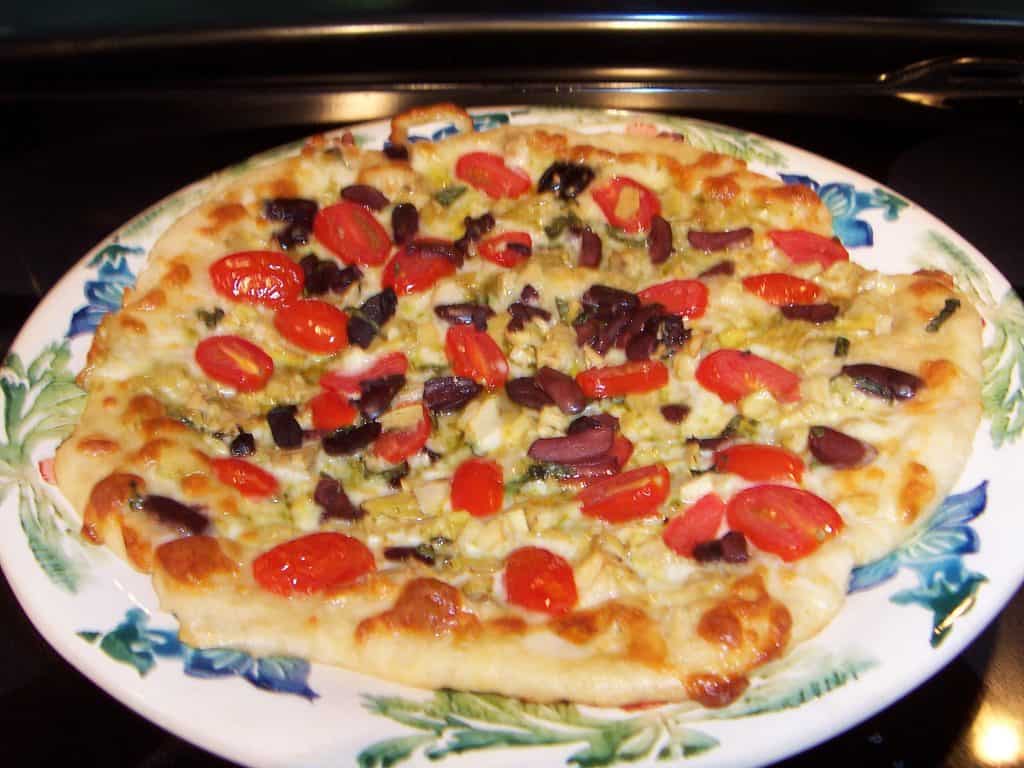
{"points": [[911, 613]]}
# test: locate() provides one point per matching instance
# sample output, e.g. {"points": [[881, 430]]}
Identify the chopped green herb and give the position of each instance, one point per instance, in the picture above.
{"points": [[617, 234], [951, 306], [842, 346], [557, 226], [210, 318], [563, 309], [449, 195]]}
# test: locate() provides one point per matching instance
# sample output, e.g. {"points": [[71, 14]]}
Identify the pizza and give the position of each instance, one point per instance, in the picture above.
{"points": [[599, 417]]}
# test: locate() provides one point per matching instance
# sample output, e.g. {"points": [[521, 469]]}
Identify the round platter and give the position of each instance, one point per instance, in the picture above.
{"points": [[907, 616]]}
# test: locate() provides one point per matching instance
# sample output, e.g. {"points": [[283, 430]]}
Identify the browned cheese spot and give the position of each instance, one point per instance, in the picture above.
{"points": [[748, 621], [283, 187], [938, 374], [93, 445], [931, 276], [714, 690], [109, 498], [131, 324], [151, 451], [142, 408], [642, 638], [223, 215], [155, 299], [508, 625], [425, 606], [194, 560], [177, 276], [917, 491], [721, 188], [196, 484], [791, 194], [162, 426]]}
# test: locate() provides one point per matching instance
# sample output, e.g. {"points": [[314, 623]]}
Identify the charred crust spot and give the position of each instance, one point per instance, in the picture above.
{"points": [[715, 691], [916, 492], [721, 188], [425, 606], [109, 498], [931, 281], [193, 560]]}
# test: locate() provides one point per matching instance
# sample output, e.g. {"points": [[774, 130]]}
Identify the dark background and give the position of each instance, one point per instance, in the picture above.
{"points": [[106, 108]]}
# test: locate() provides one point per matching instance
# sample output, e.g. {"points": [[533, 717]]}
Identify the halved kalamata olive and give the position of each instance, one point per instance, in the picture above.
{"points": [[812, 313], [290, 209], [590, 249], [525, 391], [645, 318], [586, 332], [448, 394], [348, 440], [396, 151], [244, 444], [405, 222], [837, 449], [343, 278], [529, 294], [731, 548], [597, 421], [174, 514], [380, 307], [604, 301], [285, 429], [721, 268], [659, 240], [378, 394], [642, 345], [609, 333], [566, 180], [361, 332], [675, 413], [442, 250], [673, 332], [478, 227], [406, 553], [465, 314], [719, 241], [581, 447], [292, 235], [335, 503], [521, 313], [882, 381], [364, 194], [562, 389]]}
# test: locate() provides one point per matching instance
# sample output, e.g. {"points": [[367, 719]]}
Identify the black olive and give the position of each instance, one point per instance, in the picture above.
{"points": [[525, 391], [244, 444], [365, 195], [378, 394], [283, 426], [566, 180], [170, 512], [349, 440], [331, 497], [448, 394], [405, 222]]}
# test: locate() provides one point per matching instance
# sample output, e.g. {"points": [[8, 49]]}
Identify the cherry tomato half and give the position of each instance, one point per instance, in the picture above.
{"points": [[234, 361], [626, 379], [397, 445], [267, 278], [353, 233], [488, 173], [801, 246], [475, 355], [780, 289], [788, 522], [331, 411], [686, 298], [478, 486], [539, 580], [251, 481], [627, 204], [314, 325], [347, 384], [698, 523], [732, 375], [627, 496], [507, 250], [415, 271], [760, 463], [314, 563]]}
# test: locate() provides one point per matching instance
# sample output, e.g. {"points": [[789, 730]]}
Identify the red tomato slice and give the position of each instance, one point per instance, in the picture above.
{"points": [[627, 204], [760, 463], [788, 522], [497, 250], [314, 563], [780, 289], [488, 173], [267, 278], [234, 361], [397, 445], [415, 271], [251, 481], [697, 524], [626, 379], [475, 355], [801, 246], [732, 375], [331, 411], [353, 233], [687, 298], [314, 325], [627, 496], [478, 486], [539, 580], [347, 384]]}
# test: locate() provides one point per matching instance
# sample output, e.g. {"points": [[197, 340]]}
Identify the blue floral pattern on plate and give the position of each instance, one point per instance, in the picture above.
{"points": [[133, 642], [105, 292], [946, 586], [845, 203]]}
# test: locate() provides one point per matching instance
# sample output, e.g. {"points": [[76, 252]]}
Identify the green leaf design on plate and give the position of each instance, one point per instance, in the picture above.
{"points": [[454, 722], [40, 403], [730, 141], [1002, 389]]}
